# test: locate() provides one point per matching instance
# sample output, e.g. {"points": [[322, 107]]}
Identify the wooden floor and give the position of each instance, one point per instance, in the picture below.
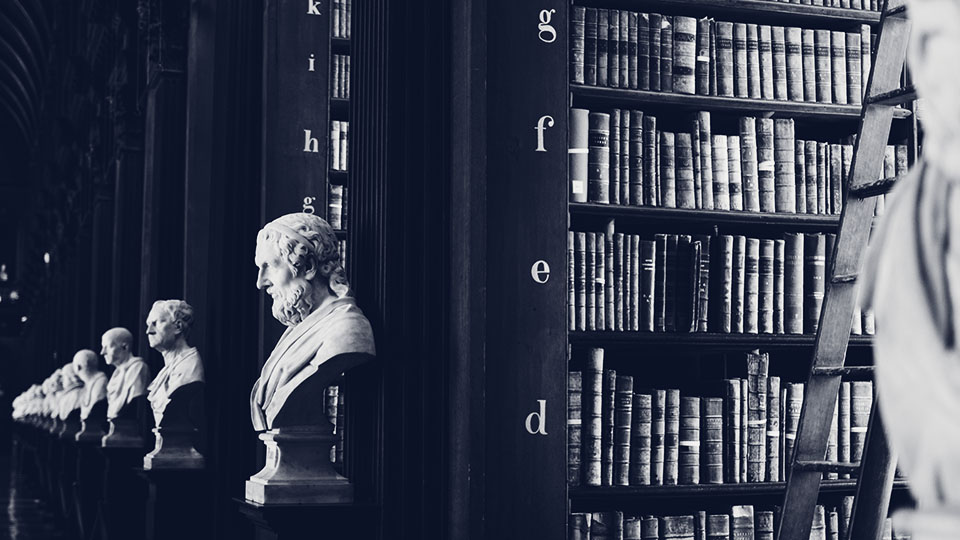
{"points": [[22, 514]]}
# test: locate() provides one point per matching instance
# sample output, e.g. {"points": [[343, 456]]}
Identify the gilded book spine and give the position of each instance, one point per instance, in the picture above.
{"points": [[685, 197], [625, 49], [633, 48], [671, 461], [613, 49], [754, 83], [779, 286], [592, 404], [598, 156], [809, 65], [650, 139], [748, 169], [580, 252], [838, 66], [765, 40], [794, 43], [744, 427], [814, 255], [732, 431], [640, 440], [702, 68], [801, 175], [822, 177], [684, 54], [591, 281], [822, 57], [724, 283], [779, 46], [643, 51], [599, 281], [656, 36], [741, 87], [574, 420], [615, 146], [765, 311], [571, 281], [603, 29], [726, 73], [622, 421], [610, 278], [703, 307], [854, 76], [810, 165], [765, 165], [784, 169], [733, 172], [635, 282], [638, 179], [607, 421], [711, 417], [660, 284], [689, 445], [648, 266], [577, 43], [658, 437], [619, 283], [756, 416]]}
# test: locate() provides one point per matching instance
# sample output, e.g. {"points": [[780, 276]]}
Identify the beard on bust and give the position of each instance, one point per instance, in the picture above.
{"points": [[292, 303]]}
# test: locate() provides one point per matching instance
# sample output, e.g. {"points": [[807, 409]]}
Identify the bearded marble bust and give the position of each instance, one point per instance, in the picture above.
{"points": [[299, 267]]}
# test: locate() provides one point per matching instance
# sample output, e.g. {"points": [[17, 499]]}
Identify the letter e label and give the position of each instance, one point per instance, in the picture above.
{"points": [[540, 417], [540, 271]]}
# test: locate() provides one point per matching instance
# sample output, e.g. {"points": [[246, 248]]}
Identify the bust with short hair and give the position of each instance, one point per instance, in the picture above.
{"points": [[93, 401], [176, 394], [69, 401], [299, 267], [125, 389]]}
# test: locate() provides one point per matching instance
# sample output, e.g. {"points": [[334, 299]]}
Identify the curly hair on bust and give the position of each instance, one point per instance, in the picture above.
{"points": [[320, 253], [178, 311]]}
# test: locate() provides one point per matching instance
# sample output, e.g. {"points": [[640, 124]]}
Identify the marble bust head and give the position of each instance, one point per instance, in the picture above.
{"points": [[116, 346], [131, 374], [72, 390], [169, 324], [85, 364]]}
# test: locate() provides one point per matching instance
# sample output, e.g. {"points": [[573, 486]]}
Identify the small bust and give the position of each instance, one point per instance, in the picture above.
{"points": [[168, 326], [131, 374], [71, 394], [94, 381], [52, 388], [299, 267]]}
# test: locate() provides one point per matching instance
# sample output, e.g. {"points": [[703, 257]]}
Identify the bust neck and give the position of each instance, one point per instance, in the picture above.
{"points": [[171, 354]]}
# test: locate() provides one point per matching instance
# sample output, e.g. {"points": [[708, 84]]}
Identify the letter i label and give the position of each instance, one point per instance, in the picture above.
{"points": [[310, 63]]}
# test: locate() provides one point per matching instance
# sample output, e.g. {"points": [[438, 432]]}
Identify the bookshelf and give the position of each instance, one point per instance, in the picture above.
{"points": [[530, 216]]}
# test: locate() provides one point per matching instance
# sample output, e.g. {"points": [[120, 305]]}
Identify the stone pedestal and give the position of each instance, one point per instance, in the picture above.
{"points": [[123, 502], [317, 521], [88, 486], [70, 427], [93, 427], [124, 433], [298, 469], [174, 450], [179, 504]]}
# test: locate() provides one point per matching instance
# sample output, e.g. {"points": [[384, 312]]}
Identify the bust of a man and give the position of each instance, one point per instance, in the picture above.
{"points": [[52, 386], [168, 326], [94, 381], [299, 267], [131, 374], [72, 392]]}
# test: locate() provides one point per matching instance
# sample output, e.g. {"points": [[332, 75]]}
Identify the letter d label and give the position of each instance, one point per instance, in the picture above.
{"points": [[540, 417]]}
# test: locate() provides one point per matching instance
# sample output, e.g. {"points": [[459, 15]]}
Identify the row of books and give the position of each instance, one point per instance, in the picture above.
{"points": [[650, 51], [337, 207], [342, 18], [341, 76], [342, 250], [743, 522], [699, 283], [622, 435], [339, 143], [623, 157], [333, 400]]}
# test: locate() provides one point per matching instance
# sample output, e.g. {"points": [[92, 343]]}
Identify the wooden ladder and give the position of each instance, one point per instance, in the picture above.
{"points": [[875, 472]]}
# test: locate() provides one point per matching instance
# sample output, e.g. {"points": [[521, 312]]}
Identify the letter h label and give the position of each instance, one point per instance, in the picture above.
{"points": [[310, 144]]}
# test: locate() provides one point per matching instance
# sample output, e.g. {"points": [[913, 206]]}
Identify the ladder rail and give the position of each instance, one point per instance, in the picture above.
{"points": [[877, 469]]}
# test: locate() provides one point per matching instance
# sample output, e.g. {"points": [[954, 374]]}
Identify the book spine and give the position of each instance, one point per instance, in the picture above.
{"points": [[735, 188], [579, 140], [613, 49], [592, 407], [718, 527], [785, 189], [779, 247], [843, 425], [713, 58], [660, 284], [571, 281], [725, 283], [684, 172], [764, 525], [650, 528], [580, 249], [634, 282], [703, 284], [741, 87], [800, 175], [702, 68], [754, 83], [794, 45], [765, 316], [591, 280], [778, 43], [751, 286], [606, 525], [603, 29], [638, 180], [749, 165], [633, 50], [622, 422], [627, 280], [741, 522], [756, 417], [640, 440], [625, 45], [600, 282], [598, 156], [901, 160], [666, 54], [833, 525], [813, 276], [579, 526], [738, 285], [846, 512], [773, 430], [607, 421], [670, 313], [861, 402], [656, 36], [767, 83], [697, 173], [577, 44], [610, 278], [792, 419], [854, 76], [866, 53], [590, 42], [619, 277], [686, 292], [838, 66], [574, 420], [658, 437], [822, 177], [677, 527], [632, 529], [671, 453], [810, 165], [765, 165], [744, 426], [808, 51], [726, 72], [732, 431], [648, 266], [643, 51], [822, 57], [706, 160], [615, 146], [689, 446], [711, 417], [667, 169], [818, 531], [684, 54], [649, 162], [836, 178]]}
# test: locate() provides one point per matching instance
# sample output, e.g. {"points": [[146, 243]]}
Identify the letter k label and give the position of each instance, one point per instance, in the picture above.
{"points": [[313, 7]]}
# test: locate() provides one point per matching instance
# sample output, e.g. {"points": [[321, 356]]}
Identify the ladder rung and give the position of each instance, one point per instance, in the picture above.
{"points": [[895, 10], [842, 370], [844, 278], [872, 189], [894, 97], [826, 466]]}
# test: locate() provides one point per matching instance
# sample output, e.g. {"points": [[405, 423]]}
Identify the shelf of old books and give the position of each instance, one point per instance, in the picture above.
{"points": [[709, 148]]}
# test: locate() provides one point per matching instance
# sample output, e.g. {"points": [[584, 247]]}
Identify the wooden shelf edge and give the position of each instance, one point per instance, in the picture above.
{"points": [[779, 108], [714, 490], [781, 11], [667, 215], [702, 339]]}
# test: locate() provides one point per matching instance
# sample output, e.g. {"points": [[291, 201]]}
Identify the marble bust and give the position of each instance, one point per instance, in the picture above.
{"points": [[93, 401], [299, 267], [125, 389], [53, 385], [69, 401], [176, 394]]}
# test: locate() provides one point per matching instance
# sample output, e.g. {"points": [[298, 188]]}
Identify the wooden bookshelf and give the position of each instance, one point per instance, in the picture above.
{"points": [[625, 495], [763, 11], [667, 217], [340, 45], [592, 96], [704, 340]]}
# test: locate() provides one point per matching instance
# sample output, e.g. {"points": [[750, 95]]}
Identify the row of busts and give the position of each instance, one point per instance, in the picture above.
{"points": [[78, 402]]}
